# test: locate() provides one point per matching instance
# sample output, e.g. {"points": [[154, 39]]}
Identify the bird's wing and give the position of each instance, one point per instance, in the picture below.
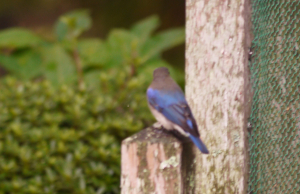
{"points": [[181, 115], [175, 108]]}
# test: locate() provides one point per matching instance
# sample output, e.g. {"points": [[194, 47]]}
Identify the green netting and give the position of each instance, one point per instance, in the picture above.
{"points": [[275, 67]]}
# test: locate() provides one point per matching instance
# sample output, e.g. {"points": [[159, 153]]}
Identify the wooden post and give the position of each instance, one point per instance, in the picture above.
{"points": [[151, 163], [217, 88]]}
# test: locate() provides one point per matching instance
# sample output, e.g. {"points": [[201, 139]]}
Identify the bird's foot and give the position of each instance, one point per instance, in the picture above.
{"points": [[157, 125]]}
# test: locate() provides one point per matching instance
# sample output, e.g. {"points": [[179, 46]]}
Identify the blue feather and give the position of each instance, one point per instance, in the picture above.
{"points": [[198, 142], [190, 123], [164, 98], [164, 101]]}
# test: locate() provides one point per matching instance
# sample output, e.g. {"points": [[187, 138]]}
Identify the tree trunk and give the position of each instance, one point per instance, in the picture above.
{"points": [[217, 88]]}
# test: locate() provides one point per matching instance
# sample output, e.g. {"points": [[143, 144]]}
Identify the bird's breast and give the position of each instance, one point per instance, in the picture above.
{"points": [[162, 119]]}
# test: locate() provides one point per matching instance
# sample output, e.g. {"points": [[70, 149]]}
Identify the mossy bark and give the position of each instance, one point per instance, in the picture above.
{"points": [[151, 163], [217, 88]]}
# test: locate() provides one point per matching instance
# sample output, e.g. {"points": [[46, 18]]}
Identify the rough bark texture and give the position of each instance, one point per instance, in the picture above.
{"points": [[217, 88], [151, 163]]}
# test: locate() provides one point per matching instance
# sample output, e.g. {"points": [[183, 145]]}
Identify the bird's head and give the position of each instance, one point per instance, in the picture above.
{"points": [[161, 72]]}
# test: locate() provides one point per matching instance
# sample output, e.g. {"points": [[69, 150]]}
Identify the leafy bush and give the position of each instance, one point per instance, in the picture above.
{"points": [[70, 59], [65, 140], [56, 137]]}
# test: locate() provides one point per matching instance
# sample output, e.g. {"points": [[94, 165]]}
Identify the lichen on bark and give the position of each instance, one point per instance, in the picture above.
{"points": [[217, 42]]}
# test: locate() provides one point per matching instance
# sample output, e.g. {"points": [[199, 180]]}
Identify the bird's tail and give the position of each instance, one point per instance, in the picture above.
{"points": [[199, 143]]}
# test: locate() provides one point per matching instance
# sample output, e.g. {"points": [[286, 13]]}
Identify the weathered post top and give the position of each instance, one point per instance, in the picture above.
{"points": [[151, 163]]}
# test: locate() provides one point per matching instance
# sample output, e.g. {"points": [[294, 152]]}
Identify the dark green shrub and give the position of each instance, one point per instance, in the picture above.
{"points": [[65, 140]]}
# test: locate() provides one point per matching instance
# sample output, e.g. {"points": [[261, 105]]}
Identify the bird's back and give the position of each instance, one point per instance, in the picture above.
{"points": [[168, 98]]}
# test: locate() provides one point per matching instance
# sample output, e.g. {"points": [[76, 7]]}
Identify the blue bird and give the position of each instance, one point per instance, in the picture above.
{"points": [[168, 105]]}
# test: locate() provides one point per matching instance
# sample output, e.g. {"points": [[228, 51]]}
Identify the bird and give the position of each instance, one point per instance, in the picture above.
{"points": [[168, 105]]}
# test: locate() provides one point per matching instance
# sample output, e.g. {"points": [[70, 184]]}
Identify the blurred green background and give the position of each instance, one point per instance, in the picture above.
{"points": [[106, 14], [72, 87]]}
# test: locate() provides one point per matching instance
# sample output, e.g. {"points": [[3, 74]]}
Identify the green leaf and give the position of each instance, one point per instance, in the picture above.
{"points": [[92, 79], [161, 42], [144, 28], [72, 24], [93, 51], [61, 30], [10, 63], [122, 47], [25, 64], [30, 64], [18, 38], [58, 65]]}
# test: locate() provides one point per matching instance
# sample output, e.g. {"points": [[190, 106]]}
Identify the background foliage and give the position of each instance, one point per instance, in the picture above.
{"points": [[107, 14], [70, 59], [67, 104]]}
